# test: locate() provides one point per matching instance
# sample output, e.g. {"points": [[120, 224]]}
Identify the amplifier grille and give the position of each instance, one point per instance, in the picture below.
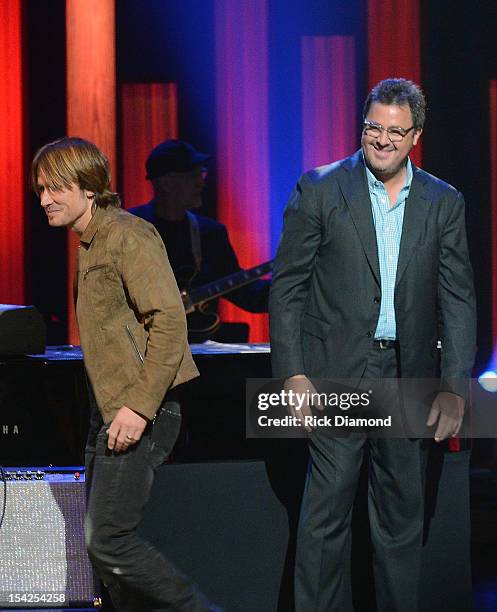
{"points": [[42, 548]]}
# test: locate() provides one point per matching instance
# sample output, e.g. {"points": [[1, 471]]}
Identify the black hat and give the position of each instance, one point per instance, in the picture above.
{"points": [[173, 156]]}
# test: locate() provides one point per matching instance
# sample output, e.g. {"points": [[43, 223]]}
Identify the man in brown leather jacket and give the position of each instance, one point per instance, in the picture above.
{"points": [[133, 335]]}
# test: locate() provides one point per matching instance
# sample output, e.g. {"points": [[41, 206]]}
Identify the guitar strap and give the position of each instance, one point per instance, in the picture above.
{"points": [[195, 240]]}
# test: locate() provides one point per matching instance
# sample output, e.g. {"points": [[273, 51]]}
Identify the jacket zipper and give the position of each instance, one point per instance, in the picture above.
{"points": [[133, 342], [91, 268]]}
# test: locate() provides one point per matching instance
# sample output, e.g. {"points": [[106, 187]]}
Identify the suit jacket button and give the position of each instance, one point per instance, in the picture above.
{"points": [[376, 300], [369, 334]]}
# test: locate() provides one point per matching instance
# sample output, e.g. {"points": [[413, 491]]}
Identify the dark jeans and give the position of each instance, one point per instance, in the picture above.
{"points": [[136, 575]]}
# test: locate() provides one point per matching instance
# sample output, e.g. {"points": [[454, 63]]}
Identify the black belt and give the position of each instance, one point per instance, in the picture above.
{"points": [[384, 343]]}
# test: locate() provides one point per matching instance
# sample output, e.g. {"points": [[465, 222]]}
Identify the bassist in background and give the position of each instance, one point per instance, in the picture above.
{"points": [[198, 247]]}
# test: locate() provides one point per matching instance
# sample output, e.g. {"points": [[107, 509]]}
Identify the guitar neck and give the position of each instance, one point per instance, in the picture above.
{"points": [[213, 290]]}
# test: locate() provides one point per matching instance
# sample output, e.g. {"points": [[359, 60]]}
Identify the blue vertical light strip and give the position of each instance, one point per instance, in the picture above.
{"points": [[285, 125], [289, 22]]}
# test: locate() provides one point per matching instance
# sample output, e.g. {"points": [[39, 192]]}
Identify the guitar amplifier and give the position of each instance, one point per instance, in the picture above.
{"points": [[43, 559]]}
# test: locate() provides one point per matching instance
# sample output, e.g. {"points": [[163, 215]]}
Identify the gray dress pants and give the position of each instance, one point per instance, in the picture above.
{"points": [[396, 507]]}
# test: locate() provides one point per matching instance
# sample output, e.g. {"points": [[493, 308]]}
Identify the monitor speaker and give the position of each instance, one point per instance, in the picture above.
{"points": [[43, 559]]}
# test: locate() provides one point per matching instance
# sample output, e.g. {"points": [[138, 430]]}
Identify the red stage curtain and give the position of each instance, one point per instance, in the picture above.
{"points": [[328, 94], [91, 93], [13, 186], [394, 45], [149, 115], [242, 136]]}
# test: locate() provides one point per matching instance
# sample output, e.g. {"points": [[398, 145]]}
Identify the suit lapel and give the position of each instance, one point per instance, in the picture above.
{"points": [[353, 184], [416, 210]]}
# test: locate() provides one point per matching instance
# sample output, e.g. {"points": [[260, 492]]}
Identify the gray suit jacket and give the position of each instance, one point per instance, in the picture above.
{"points": [[325, 294]]}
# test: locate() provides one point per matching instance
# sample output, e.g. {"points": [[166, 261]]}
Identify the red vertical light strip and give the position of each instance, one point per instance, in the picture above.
{"points": [[493, 206], [242, 136], [12, 178], [328, 95], [394, 45], [149, 115], [91, 93]]}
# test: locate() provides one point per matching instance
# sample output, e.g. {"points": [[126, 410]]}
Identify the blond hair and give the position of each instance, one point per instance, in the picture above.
{"points": [[69, 161]]}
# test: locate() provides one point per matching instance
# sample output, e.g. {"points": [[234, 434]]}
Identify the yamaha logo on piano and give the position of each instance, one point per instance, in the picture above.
{"points": [[9, 430]]}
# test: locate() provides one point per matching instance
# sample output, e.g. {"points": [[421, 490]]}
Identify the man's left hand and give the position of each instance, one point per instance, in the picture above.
{"points": [[448, 410], [126, 429]]}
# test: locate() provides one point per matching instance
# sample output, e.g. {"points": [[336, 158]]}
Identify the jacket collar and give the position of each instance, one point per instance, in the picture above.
{"points": [[354, 187], [416, 210], [92, 227], [353, 183]]}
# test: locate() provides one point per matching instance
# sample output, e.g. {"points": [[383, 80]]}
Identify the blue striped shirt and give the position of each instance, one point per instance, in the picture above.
{"points": [[388, 226]]}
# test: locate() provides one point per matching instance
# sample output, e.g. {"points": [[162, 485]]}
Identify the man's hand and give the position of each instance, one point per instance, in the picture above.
{"points": [[448, 410], [126, 429], [300, 408]]}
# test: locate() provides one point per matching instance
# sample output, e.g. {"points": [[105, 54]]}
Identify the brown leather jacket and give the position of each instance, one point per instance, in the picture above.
{"points": [[131, 318]]}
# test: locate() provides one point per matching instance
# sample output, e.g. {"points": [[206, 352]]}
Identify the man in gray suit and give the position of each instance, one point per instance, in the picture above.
{"points": [[372, 270]]}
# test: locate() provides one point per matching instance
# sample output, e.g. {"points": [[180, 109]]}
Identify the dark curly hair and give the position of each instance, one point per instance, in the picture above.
{"points": [[399, 91]]}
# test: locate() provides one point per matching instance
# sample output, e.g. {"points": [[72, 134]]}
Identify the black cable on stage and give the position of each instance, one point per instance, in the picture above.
{"points": [[4, 479]]}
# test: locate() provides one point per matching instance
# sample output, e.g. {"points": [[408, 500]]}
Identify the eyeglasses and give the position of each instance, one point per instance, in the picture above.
{"points": [[395, 134]]}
